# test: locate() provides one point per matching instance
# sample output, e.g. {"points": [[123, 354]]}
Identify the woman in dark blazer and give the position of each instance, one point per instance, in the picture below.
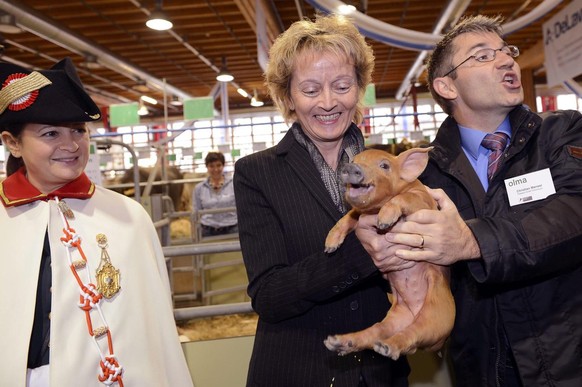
{"points": [[288, 198]]}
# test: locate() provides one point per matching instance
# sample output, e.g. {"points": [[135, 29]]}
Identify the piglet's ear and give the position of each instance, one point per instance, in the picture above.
{"points": [[412, 163]]}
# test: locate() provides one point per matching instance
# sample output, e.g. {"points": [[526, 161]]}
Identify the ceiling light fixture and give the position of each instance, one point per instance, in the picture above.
{"points": [[224, 75], [91, 62], [158, 19], [346, 9], [176, 101], [143, 110], [255, 101], [141, 86], [8, 24], [242, 92], [147, 99]]}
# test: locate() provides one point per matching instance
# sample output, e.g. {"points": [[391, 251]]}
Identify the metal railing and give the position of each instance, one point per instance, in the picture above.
{"points": [[182, 314], [162, 211], [197, 251]]}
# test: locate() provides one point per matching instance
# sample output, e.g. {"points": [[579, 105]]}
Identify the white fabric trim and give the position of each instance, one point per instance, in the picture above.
{"points": [[38, 377]]}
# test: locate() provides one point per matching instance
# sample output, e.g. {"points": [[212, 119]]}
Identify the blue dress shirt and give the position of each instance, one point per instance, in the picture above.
{"points": [[478, 155]]}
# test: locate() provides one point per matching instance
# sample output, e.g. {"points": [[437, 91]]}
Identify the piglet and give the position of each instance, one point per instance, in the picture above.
{"points": [[423, 309]]}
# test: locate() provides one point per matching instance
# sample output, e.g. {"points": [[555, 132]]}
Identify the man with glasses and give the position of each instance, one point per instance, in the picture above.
{"points": [[488, 55], [508, 183]]}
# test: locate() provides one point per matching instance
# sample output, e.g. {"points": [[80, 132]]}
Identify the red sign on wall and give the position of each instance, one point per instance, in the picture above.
{"points": [[549, 103]]}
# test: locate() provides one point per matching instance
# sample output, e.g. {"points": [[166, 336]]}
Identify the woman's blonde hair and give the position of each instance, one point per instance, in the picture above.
{"points": [[332, 33]]}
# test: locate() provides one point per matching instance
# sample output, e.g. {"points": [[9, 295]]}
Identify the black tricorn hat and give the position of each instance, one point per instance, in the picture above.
{"points": [[45, 96]]}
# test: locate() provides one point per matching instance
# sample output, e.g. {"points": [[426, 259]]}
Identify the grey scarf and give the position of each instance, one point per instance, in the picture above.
{"points": [[352, 144]]}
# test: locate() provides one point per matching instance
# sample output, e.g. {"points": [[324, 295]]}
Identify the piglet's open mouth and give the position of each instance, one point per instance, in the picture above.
{"points": [[355, 190]]}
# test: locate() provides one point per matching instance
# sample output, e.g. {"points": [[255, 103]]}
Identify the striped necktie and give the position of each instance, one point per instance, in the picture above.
{"points": [[495, 142]]}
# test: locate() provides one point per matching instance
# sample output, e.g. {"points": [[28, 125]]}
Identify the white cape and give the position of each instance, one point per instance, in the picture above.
{"points": [[140, 316]]}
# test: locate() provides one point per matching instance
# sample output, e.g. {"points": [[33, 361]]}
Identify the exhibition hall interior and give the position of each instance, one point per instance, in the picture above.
{"points": [[171, 93]]}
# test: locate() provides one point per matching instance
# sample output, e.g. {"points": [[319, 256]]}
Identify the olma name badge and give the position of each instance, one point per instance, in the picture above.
{"points": [[530, 187]]}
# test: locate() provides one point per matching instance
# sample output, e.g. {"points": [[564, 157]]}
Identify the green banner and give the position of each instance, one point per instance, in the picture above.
{"points": [[370, 96], [201, 108], [123, 114]]}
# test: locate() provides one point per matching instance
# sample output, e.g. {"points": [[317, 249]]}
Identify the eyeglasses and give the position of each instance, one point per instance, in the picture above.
{"points": [[488, 55]]}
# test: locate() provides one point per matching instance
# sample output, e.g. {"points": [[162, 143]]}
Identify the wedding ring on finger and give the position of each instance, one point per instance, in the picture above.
{"points": [[421, 246]]}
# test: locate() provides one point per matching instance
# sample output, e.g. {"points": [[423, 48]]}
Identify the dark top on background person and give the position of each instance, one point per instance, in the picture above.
{"points": [[515, 253], [216, 192], [289, 197], [84, 289]]}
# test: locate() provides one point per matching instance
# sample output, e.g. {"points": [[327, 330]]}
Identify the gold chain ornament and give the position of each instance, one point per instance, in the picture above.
{"points": [[90, 297], [107, 275]]}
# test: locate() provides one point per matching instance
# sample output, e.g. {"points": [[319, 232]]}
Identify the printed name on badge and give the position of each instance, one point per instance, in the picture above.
{"points": [[530, 187]]}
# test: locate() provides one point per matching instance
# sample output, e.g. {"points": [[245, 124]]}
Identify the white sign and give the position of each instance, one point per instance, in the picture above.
{"points": [[530, 187], [563, 44]]}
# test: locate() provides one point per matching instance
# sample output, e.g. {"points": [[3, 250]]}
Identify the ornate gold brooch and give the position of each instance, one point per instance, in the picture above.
{"points": [[107, 275]]}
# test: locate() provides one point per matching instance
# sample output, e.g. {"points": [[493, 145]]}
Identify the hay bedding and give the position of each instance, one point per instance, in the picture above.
{"points": [[180, 228], [218, 327]]}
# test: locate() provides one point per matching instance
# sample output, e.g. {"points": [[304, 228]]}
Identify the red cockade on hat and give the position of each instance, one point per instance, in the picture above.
{"points": [[24, 101], [50, 96]]}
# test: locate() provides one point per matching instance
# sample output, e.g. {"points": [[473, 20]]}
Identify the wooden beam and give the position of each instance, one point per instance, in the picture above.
{"points": [[247, 9], [533, 58], [529, 89]]}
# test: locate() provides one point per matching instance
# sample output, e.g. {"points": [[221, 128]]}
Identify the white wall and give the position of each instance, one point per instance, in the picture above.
{"points": [[224, 362]]}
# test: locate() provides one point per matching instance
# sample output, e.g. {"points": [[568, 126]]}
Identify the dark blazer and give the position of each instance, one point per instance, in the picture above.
{"points": [[525, 289], [301, 294]]}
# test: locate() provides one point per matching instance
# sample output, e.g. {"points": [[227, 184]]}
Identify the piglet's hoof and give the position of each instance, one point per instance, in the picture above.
{"points": [[333, 241], [333, 343], [384, 350], [393, 353], [330, 249]]}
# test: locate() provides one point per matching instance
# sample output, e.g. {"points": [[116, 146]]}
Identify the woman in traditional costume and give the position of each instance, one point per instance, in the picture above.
{"points": [[84, 290]]}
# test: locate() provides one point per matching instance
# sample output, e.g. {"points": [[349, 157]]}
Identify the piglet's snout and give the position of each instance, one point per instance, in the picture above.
{"points": [[352, 174]]}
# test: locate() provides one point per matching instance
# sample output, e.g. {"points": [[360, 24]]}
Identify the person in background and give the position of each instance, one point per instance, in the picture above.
{"points": [[509, 223], [288, 198], [84, 290], [216, 192]]}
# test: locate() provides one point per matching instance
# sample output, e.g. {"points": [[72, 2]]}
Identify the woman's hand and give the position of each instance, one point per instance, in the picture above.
{"points": [[380, 249]]}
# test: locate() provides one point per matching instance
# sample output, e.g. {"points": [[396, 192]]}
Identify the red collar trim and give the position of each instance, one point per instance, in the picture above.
{"points": [[16, 190]]}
